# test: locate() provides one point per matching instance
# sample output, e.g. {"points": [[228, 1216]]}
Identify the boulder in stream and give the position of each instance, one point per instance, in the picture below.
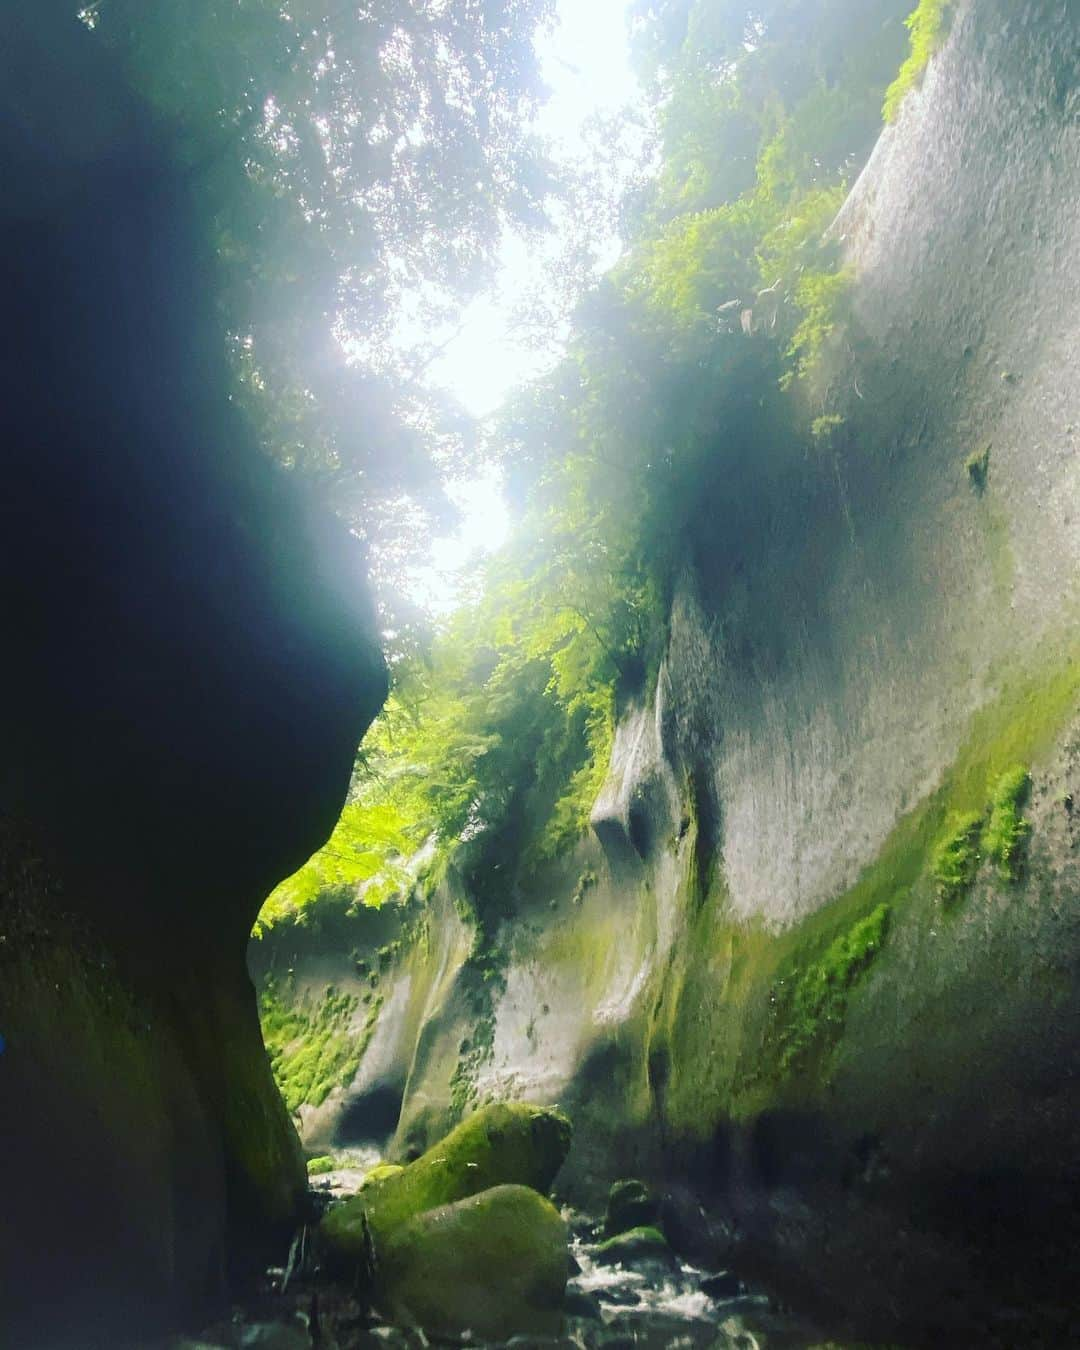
{"points": [[635, 1247], [493, 1264], [724, 1284], [631, 1204], [507, 1143]]}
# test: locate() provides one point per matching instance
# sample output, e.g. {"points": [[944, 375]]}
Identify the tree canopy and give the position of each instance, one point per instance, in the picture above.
{"points": [[347, 158]]}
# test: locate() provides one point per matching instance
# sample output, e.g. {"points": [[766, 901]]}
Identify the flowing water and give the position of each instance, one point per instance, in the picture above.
{"points": [[649, 1304], [668, 1305]]}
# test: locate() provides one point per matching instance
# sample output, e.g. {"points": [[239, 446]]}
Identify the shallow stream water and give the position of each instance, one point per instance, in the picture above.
{"points": [[658, 1305], [652, 1304]]}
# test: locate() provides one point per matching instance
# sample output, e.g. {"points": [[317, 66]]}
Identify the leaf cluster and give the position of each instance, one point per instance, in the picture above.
{"points": [[928, 25], [350, 163]]}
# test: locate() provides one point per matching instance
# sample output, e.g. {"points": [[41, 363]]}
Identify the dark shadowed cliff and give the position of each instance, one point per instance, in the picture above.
{"points": [[189, 662]]}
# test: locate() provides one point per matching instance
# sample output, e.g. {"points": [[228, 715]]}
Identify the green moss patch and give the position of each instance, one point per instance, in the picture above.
{"points": [[314, 1047], [482, 977], [493, 1265], [956, 856], [999, 833], [381, 1172], [505, 1143], [644, 1243], [749, 1018], [937, 839], [1007, 833], [318, 1167], [819, 999]]}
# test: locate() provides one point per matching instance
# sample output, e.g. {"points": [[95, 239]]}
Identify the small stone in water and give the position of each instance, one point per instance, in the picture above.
{"points": [[580, 1304], [630, 1205], [722, 1285], [639, 1244], [621, 1296], [275, 1336]]}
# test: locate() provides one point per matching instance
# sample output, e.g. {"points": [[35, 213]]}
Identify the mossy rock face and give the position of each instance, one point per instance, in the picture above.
{"points": [[493, 1264], [638, 1245], [505, 1143], [630, 1205]]}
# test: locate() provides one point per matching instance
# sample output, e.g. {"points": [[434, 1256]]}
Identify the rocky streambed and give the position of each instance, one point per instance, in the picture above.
{"points": [[666, 1303], [647, 1304], [378, 1265]]}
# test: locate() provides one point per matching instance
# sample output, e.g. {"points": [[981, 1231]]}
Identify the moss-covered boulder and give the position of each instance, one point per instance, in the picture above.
{"points": [[630, 1205], [645, 1244], [380, 1173], [493, 1264], [505, 1143]]}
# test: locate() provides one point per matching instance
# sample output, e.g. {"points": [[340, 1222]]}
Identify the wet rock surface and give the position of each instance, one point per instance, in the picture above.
{"points": [[501, 1144], [493, 1265], [639, 1245], [639, 1303], [631, 1204]]}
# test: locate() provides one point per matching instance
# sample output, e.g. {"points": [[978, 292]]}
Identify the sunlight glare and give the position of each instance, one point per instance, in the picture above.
{"points": [[586, 65], [482, 529]]}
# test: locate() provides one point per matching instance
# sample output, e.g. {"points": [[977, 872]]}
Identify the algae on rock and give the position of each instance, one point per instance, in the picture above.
{"points": [[506, 1143], [631, 1204], [1007, 832], [819, 1000], [646, 1243], [493, 1264], [956, 855], [315, 1047]]}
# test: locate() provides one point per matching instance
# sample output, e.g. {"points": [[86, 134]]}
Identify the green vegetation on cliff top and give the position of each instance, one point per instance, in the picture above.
{"points": [[496, 738], [336, 179], [928, 25]]}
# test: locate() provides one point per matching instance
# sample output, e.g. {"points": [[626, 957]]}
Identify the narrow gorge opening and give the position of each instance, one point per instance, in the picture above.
{"points": [[542, 700]]}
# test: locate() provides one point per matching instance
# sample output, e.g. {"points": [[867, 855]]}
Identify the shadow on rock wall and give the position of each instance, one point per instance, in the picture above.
{"points": [[190, 662]]}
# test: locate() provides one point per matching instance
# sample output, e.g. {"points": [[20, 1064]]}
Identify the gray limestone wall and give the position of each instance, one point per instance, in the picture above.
{"points": [[851, 657]]}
